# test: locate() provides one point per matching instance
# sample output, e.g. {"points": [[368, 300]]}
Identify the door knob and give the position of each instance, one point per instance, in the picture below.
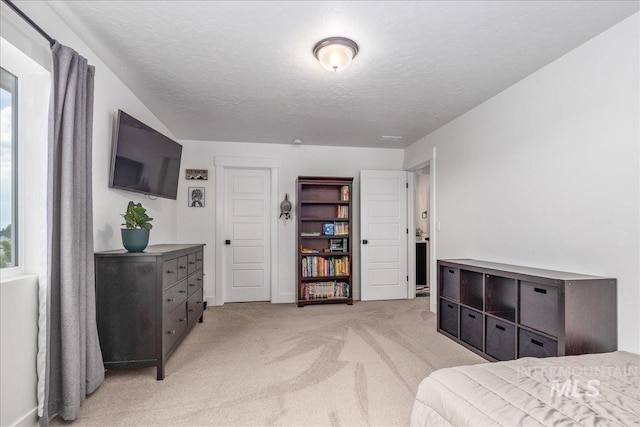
{"points": [[227, 242], [365, 241]]}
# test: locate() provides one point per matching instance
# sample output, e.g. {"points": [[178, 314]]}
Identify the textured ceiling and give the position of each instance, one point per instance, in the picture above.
{"points": [[244, 71]]}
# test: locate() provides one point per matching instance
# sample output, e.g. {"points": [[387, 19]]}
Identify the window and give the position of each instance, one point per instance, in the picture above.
{"points": [[8, 169], [24, 107]]}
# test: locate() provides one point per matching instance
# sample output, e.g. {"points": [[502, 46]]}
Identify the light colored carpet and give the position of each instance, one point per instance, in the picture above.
{"points": [[277, 364]]}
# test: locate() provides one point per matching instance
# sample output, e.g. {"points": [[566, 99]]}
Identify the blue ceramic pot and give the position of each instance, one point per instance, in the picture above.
{"points": [[135, 239]]}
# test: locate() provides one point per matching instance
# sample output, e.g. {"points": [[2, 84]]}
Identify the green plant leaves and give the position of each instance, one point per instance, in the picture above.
{"points": [[136, 217]]}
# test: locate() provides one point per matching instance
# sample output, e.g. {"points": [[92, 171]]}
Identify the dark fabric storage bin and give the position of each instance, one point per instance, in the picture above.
{"points": [[539, 307], [533, 345], [449, 317], [471, 328], [500, 339], [450, 282]]}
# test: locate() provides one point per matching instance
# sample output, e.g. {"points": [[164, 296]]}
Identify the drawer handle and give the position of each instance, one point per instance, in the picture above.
{"points": [[182, 267], [473, 316], [172, 332], [192, 309], [451, 271], [198, 302], [170, 271], [540, 290], [192, 262], [536, 342], [181, 320], [449, 305], [171, 299], [192, 284], [199, 259], [199, 279], [182, 291], [500, 327]]}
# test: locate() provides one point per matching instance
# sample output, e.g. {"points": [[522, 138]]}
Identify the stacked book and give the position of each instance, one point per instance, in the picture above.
{"points": [[313, 266], [324, 290]]}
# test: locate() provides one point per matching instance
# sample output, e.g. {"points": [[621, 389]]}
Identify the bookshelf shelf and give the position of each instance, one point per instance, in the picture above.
{"points": [[324, 240]]}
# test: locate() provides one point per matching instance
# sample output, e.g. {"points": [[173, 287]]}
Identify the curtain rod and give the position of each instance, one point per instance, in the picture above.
{"points": [[35, 26]]}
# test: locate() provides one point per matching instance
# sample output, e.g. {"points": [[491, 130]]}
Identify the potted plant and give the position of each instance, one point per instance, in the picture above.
{"points": [[135, 237]]}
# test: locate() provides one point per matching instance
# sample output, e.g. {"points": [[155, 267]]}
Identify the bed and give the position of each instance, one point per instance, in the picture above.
{"points": [[588, 390]]}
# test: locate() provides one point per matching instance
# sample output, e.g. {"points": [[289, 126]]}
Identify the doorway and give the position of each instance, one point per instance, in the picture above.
{"points": [[422, 215], [384, 234], [246, 229]]}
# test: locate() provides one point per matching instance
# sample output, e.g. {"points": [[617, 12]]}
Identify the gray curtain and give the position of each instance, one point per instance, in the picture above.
{"points": [[73, 361]]}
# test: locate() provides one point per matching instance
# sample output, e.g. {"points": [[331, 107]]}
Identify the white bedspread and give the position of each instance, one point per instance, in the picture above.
{"points": [[587, 390]]}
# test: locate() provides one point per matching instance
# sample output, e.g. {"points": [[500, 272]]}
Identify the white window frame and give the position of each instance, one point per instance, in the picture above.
{"points": [[15, 225], [33, 106]]}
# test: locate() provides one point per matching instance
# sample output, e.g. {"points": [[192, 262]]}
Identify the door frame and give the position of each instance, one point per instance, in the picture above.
{"points": [[222, 163], [433, 229]]}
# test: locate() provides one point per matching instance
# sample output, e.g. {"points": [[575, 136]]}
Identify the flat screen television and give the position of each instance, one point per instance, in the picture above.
{"points": [[143, 159]]}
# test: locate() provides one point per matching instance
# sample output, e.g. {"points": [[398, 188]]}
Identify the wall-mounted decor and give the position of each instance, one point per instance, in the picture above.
{"points": [[196, 197], [202, 174], [285, 208]]}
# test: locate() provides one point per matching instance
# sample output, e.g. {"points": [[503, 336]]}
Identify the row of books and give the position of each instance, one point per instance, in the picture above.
{"points": [[342, 211], [324, 290], [313, 266]]}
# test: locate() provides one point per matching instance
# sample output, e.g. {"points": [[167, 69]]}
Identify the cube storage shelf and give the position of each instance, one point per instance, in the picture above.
{"points": [[324, 240], [504, 312]]}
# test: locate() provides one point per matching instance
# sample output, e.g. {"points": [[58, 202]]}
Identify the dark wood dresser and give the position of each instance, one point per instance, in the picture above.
{"points": [[147, 302], [505, 312]]}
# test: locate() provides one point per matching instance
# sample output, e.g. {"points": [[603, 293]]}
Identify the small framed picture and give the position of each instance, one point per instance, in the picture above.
{"points": [[201, 174], [196, 197], [329, 229]]}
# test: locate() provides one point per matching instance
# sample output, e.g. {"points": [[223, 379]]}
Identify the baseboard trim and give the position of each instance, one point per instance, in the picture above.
{"points": [[30, 419]]}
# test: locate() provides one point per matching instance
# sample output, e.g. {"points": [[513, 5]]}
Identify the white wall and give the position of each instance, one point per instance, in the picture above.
{"points": [[109, 96], [18, 322], [546, 174], [197, 225], [18, 349], [19, 297]]}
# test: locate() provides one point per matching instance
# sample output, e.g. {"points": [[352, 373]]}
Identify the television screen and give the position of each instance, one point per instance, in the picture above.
{"points": [[144, 160]]}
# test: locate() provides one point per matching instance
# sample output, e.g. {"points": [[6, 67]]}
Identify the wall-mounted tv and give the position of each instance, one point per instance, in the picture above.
{"points": [[144, 160]]}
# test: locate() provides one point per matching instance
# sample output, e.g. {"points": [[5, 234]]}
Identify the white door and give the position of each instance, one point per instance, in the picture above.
{"points": [[383, 234], [246, 255]]}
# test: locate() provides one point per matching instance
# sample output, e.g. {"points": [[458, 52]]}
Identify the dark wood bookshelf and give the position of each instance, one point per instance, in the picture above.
{"points": [[324, 205]]}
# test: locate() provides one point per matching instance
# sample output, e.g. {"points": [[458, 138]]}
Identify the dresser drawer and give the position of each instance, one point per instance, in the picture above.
{"points": [[191, 264], [174, 326], [199, 260], [182, 267], [169, 273], [501, 339], [449, 317], [539, 307], [173, 297], [194, 282], [195, 307], [533, 345]]}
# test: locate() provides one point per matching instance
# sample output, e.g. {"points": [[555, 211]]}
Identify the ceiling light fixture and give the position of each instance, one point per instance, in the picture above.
{"points": [[335, 53]]}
